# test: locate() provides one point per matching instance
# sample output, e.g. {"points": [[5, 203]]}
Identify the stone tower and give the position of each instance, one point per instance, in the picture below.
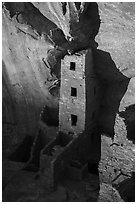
{"points": [[78, 105]]}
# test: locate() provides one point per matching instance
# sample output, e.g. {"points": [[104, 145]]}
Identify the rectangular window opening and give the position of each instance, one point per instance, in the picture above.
{"points": [[73, 91], [72, 66], [74, 119]]}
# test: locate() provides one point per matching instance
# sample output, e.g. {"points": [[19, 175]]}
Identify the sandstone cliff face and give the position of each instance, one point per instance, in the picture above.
{"points": [[116, 67], [35, 38], [37, 35], [24, 77], [115, 59]]}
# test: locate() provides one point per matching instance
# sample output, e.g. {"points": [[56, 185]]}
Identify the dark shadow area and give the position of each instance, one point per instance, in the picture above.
{"points": [[39, 143], [61, 140], [47, 146], [9, 114], [22, 153], [90, 18], [55, 90], [64, 4], [95, 150], [126, 189], [114, 86], [105, 67], [93, 168], [88, 25], [129, 116], [7, 98], [49, 115]]}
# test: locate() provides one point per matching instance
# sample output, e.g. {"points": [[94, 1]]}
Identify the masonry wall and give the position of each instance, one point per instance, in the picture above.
{"points": [[85, 103], [72, 104], [85, 148], [79, 149], [77, 73]]}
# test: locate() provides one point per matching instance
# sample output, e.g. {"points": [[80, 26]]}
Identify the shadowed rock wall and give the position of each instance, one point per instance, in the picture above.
{"points": [[35, 38], [33, 44]]}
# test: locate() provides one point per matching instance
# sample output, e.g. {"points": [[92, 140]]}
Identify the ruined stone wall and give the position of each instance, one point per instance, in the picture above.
{"points": [[82, 149], [72, 77], [79, 92]]}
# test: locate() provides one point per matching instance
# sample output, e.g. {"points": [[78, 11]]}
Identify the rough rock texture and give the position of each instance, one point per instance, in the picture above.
{"points": [[35, 37], [116, 67], [29, 187], [33, 44], [24, 77], [42, 39], [115, 59], [117, 34]]}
